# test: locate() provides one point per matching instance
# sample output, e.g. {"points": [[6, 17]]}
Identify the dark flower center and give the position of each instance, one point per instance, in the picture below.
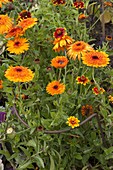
{"points": [[60, 61], [55, 87], [94, 57], [78, 44], [73, 122], [18, 69], [17, 43]]}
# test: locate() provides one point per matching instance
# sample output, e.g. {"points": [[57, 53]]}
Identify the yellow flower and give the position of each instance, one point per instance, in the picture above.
{"points": [[5, 24], [78, 49], [73, 121], [19, 74], [27, 23], [110, 98], [59, 62], [82, 80], [95, 59], [18, 45], [55, 87], [62, 43]]}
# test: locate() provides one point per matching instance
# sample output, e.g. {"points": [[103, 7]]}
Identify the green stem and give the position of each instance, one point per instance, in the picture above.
{"points": [[94, 79]]}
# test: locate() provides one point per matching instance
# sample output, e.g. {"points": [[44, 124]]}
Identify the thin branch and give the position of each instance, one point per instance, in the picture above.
{"points": [[21, 120]]}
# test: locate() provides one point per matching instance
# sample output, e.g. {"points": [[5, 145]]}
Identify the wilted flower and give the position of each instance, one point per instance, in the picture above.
{"points": [[87, 110]]}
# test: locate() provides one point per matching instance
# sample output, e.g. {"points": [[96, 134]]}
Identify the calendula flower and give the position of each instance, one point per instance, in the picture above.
{"points": [[108, 38], [58, 2], [78, 4], [107, 3], [18, 45], [82, 17], [1, 84], [55, 87], [59, 32], [14, 31], [110, 98], [27, 23], [19, 74], [62, 43], [73, 121], [82, 80], [59, 62], [97, 91], [87, 110], [78, 49], [24, 15], [95, 59], [5, 24]]}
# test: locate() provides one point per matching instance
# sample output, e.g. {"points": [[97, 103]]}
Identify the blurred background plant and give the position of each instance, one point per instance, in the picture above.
{"points": [[46, 85]]}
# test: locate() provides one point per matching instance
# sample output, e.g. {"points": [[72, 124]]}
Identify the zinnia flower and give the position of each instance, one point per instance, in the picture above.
{"points": [[27, 23], [19, 74], [73, 121], [2, 116], [97, 91], [5, 24], [1, 84], [58, 2], [59, 62], [59, 32], [18, 45], [62, 43], [14, 31], [55, 87], [82, 80], [78, 4], [78, 49], [87, 110], [96, 59]]}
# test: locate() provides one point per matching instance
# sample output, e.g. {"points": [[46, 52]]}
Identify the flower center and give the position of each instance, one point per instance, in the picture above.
{"points": [[55, 87], [78, 44], [17, 43], [18, 69], [94, 57], [82, 78], [73, 121], [60, 61]]}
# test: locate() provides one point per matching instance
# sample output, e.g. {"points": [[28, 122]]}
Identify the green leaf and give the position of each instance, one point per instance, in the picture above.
{"points": [[31, 143], [78, 156], [39, 161], [52, 165], [25, 165]]}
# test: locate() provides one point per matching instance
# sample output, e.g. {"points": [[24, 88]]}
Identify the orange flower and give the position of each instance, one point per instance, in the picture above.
{"points": [[19, 74], [5, 24], [82, 80], [73, 121], [78, 49], [55, 87], [18, 45], [3, 2], [59, 62], [110, 98], [87, 110], [14, 31], [58, 2], [59, 32], [78, 4], [27, 23], [108, 38], [1, 84], [62, 43], [96, 59], [106, 3], [97, 91], [82, 17]]}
